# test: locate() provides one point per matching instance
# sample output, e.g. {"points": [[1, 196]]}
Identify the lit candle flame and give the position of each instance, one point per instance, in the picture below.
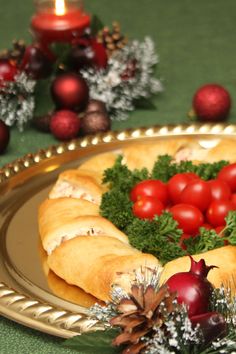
{"points": [[60, 8]]}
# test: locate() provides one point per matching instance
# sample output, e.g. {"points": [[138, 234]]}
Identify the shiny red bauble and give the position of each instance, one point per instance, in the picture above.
{"points": [[212, 103], [100, 56], [4, 136], [8, 71], [88, 52], [70, 91], [65, 125], [35, 63]]}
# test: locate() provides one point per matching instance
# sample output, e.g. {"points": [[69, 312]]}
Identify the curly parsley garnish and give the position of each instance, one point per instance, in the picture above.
{"points": [[164, 168], [161, 236]]}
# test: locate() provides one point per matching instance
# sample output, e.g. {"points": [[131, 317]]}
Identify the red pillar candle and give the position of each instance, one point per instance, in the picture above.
{"points": [[59, 21]]}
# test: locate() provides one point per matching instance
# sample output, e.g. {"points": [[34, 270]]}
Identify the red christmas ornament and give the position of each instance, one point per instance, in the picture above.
{"points": [[65, 125], [70, 91], [4, 136], [87, 52], [35, 63], [100, 56], [212, 103], [8, 71]]}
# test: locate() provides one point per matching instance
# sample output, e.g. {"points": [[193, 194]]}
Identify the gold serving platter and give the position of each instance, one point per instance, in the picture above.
{"points": [[29, 293]]}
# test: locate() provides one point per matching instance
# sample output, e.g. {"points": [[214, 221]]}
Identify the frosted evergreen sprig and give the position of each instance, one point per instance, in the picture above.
{"points": [[121, 93], [17, 101], [177, 336]]}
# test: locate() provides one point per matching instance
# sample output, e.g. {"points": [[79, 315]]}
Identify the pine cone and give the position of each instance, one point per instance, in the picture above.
{"points": [[112, 39], [15, 53], [144, 309]]}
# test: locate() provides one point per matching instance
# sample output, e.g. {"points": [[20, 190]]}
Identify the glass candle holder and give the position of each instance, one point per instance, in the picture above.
{"points": [[59, 21]]}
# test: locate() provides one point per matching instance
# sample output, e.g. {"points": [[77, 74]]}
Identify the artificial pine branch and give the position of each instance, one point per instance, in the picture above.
{"points": [[127, 78], [17, 101]]}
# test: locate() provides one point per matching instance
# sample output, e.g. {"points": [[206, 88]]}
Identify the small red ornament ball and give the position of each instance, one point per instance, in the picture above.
{"points": [[8, 71], [4, 136], [70, 91], [64, 125], [212, 103]]}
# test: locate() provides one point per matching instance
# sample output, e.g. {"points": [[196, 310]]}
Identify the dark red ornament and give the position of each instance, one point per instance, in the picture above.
{"points": [[130, 70], [212, 324], [8, 71], [80, 57], [35, 63], [65, 125], [87, 53], [212, 103], [96, 105], [4, 136], [70, 91], [100, 56], [42, 123], [95, 122]]}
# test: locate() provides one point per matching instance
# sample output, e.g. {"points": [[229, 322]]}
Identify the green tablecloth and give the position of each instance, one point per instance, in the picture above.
{"points": [[195, 41]]}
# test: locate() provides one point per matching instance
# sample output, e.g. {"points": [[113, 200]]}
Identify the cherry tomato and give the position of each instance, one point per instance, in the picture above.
{"points": [[219, 189], [147, 207], [188, 217], [177, 183], [197, 193], [228, 174], [150, 188], [233, 198], [217, 212]]}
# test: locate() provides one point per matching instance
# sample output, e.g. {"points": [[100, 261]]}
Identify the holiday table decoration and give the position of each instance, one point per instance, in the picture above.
{"points": [[35, 63], [212, 103], [72, 60], [17, 101], [149, 320], [127, 78], [4, 136], [70, 91], [64, 125], [93, 122], [59, 21], [42, 123], [8, 71]]}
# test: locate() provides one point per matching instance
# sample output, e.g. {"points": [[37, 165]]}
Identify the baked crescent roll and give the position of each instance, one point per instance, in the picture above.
{"points": [[68, 292], [54, 213], [99, 163], [96, 263], [144, 155], [225, 149], [224, 258], [64, 218], [81, 184]]}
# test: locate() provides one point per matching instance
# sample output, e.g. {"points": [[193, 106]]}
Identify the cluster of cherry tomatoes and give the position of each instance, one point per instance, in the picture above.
{"points": [[193, 202]]}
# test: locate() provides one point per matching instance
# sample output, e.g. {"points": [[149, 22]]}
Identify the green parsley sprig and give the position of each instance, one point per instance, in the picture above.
{"points": [[164, 168]]}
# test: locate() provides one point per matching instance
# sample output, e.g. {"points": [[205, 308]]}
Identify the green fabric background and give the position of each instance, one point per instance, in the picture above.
{"points": [[195, 41]]}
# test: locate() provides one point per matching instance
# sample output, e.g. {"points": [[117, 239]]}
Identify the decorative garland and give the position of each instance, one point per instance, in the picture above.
{"points": [[117, 72], [150, 320], [126, 79]]}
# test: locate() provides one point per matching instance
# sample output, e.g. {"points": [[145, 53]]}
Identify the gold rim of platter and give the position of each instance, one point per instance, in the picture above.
{"points": [[47, 317]]}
